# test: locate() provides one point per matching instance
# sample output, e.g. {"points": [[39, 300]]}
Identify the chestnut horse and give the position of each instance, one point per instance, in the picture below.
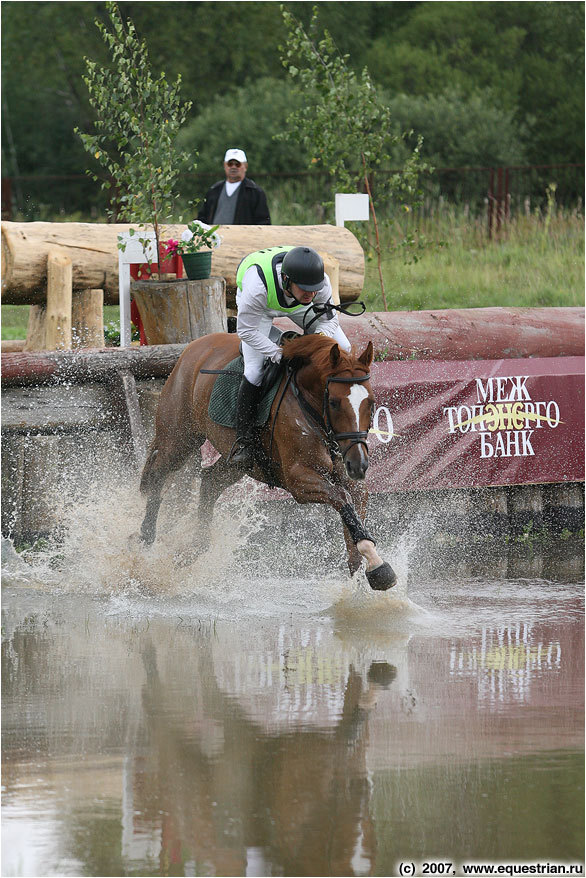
{"points": [[314, 441]]}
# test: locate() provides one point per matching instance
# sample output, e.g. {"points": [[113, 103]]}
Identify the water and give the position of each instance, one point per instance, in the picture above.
{"points": [[252, 711]]}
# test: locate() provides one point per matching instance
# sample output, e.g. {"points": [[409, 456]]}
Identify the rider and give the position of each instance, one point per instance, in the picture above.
{"points": [[275, 282]]}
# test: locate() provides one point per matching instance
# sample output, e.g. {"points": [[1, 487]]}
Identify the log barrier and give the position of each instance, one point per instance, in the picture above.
{"points": [[517, 469], [93, 251]]}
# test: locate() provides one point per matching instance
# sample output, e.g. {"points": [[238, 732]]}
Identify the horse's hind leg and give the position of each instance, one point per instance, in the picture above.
{"points": [[158, 466], [214, 480]]}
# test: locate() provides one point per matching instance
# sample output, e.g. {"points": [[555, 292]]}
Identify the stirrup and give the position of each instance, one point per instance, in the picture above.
{"points": [[242, 453]]}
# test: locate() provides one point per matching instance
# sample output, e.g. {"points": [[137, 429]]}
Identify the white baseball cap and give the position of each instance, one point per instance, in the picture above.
{"points": [[237, 155]]}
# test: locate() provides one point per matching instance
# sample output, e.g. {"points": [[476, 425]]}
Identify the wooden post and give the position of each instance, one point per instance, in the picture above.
{"points": [[12, 478], [87, 319], [525, 508], [41, 466], [563, 507], [59, 297], [37, 328], [124, 386]]}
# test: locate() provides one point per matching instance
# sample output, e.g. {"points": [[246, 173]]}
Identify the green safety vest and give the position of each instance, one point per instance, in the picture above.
{"points": [[266, 262]]}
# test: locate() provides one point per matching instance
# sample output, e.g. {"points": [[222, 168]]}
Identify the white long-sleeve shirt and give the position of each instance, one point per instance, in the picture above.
{"points": [[255, 318]]}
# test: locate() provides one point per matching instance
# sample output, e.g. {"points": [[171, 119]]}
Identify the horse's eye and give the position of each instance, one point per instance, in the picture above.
{"points": [[335, 403]]}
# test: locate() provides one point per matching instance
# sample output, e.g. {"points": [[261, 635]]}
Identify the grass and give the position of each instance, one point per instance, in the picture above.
{"points": [[450, 263], [15, 320], [534, 264]]}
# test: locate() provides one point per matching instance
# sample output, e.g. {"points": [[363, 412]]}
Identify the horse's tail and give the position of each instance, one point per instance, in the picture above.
{"points": [[147, 477]]}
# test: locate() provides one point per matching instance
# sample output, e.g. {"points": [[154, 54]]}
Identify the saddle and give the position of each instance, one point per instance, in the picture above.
{"points": [[222, 405]]}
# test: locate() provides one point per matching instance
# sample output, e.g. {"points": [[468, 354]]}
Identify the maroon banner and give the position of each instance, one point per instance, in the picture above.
{"points": [[479, 423]]}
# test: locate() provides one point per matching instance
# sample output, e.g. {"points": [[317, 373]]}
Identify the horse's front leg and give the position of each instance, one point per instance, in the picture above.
{"points": [[359, 495], [309, 486]]}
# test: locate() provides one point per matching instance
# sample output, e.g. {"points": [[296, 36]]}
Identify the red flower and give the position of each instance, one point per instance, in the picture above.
{"points": [[171, 247]]}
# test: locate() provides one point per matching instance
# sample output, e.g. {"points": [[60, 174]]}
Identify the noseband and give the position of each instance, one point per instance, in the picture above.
{"points": [[357, 437]]}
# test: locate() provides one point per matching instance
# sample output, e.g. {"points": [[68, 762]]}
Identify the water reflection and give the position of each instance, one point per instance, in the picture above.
{"points": [[155, 742]]}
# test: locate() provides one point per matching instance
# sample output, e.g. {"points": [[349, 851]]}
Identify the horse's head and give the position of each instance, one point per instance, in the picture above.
{"points": [[340, 382]]}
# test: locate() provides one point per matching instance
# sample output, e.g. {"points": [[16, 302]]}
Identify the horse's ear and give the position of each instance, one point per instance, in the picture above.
{"points": [[366, 356], [334, 355]]}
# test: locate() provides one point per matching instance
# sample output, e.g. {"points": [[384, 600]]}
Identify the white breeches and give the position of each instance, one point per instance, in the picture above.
{"points": [[254, 360]]}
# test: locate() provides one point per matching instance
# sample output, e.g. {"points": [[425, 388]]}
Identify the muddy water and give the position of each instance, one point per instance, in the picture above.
{"points": [[166, 714]]}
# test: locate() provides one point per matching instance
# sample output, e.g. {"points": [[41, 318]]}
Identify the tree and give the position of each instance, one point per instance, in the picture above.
{"points": [[247, 117], [138, 118], [460, 130], [344, 123]]}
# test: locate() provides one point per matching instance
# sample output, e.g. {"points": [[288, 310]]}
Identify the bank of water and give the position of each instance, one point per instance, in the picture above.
{"points": [[166, 713]]}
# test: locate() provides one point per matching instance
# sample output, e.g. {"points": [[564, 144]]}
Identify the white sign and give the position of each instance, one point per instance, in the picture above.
{"points": [[353, 207]]}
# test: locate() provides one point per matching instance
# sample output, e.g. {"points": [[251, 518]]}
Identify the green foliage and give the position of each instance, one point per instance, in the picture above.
{"points": [[460, 130], [344, 122], [529, 56], [138, 117], [112, 333], [247, 117]]}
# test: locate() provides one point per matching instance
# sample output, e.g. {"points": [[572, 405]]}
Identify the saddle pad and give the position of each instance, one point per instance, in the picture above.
{"points": [[222, 405]]}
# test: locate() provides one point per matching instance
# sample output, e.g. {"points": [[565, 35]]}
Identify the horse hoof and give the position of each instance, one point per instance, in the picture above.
{"points": [[146, 539], [382, 577], [134, 542]]}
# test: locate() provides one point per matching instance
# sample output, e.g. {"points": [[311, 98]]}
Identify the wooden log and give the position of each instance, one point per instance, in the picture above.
{"points": [[470, 333], [87, 319], [563, 507], [22, 369], [36, 332], [59, 297], [13, 345], [93, 250], [489, 511], [174, 312]]}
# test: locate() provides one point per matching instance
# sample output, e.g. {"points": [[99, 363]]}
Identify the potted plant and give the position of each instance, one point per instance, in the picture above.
{"points": [[195, 248], [177, 312]]}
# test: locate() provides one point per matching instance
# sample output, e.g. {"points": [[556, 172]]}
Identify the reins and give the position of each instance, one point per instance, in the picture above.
{"points": [[348, 308]]}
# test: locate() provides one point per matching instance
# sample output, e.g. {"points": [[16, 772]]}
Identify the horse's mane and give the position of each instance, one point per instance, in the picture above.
{"points": [[315, 349]]}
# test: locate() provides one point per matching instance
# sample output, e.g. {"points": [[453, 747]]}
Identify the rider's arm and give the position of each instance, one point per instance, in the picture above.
{"points": [[252, 313]]}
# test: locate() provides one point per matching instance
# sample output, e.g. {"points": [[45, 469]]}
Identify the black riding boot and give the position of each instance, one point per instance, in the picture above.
{"points": [[248, 399]]}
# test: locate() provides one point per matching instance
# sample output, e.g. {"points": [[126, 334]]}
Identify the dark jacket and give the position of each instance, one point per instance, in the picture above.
{"points": [[251, 208]]}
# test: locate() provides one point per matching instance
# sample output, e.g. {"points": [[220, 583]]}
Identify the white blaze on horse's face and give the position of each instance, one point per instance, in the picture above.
{"points": [[358, 392]]}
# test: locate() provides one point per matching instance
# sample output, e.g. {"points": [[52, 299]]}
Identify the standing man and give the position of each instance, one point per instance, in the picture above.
{"points": [[275, 282], [237, 200]]}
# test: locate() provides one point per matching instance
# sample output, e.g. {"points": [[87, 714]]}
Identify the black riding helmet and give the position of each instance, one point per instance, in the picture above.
{"points": [[304, 267]]}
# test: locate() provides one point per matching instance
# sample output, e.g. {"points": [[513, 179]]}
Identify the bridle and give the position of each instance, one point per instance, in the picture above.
{"points": [[323, 420]]}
